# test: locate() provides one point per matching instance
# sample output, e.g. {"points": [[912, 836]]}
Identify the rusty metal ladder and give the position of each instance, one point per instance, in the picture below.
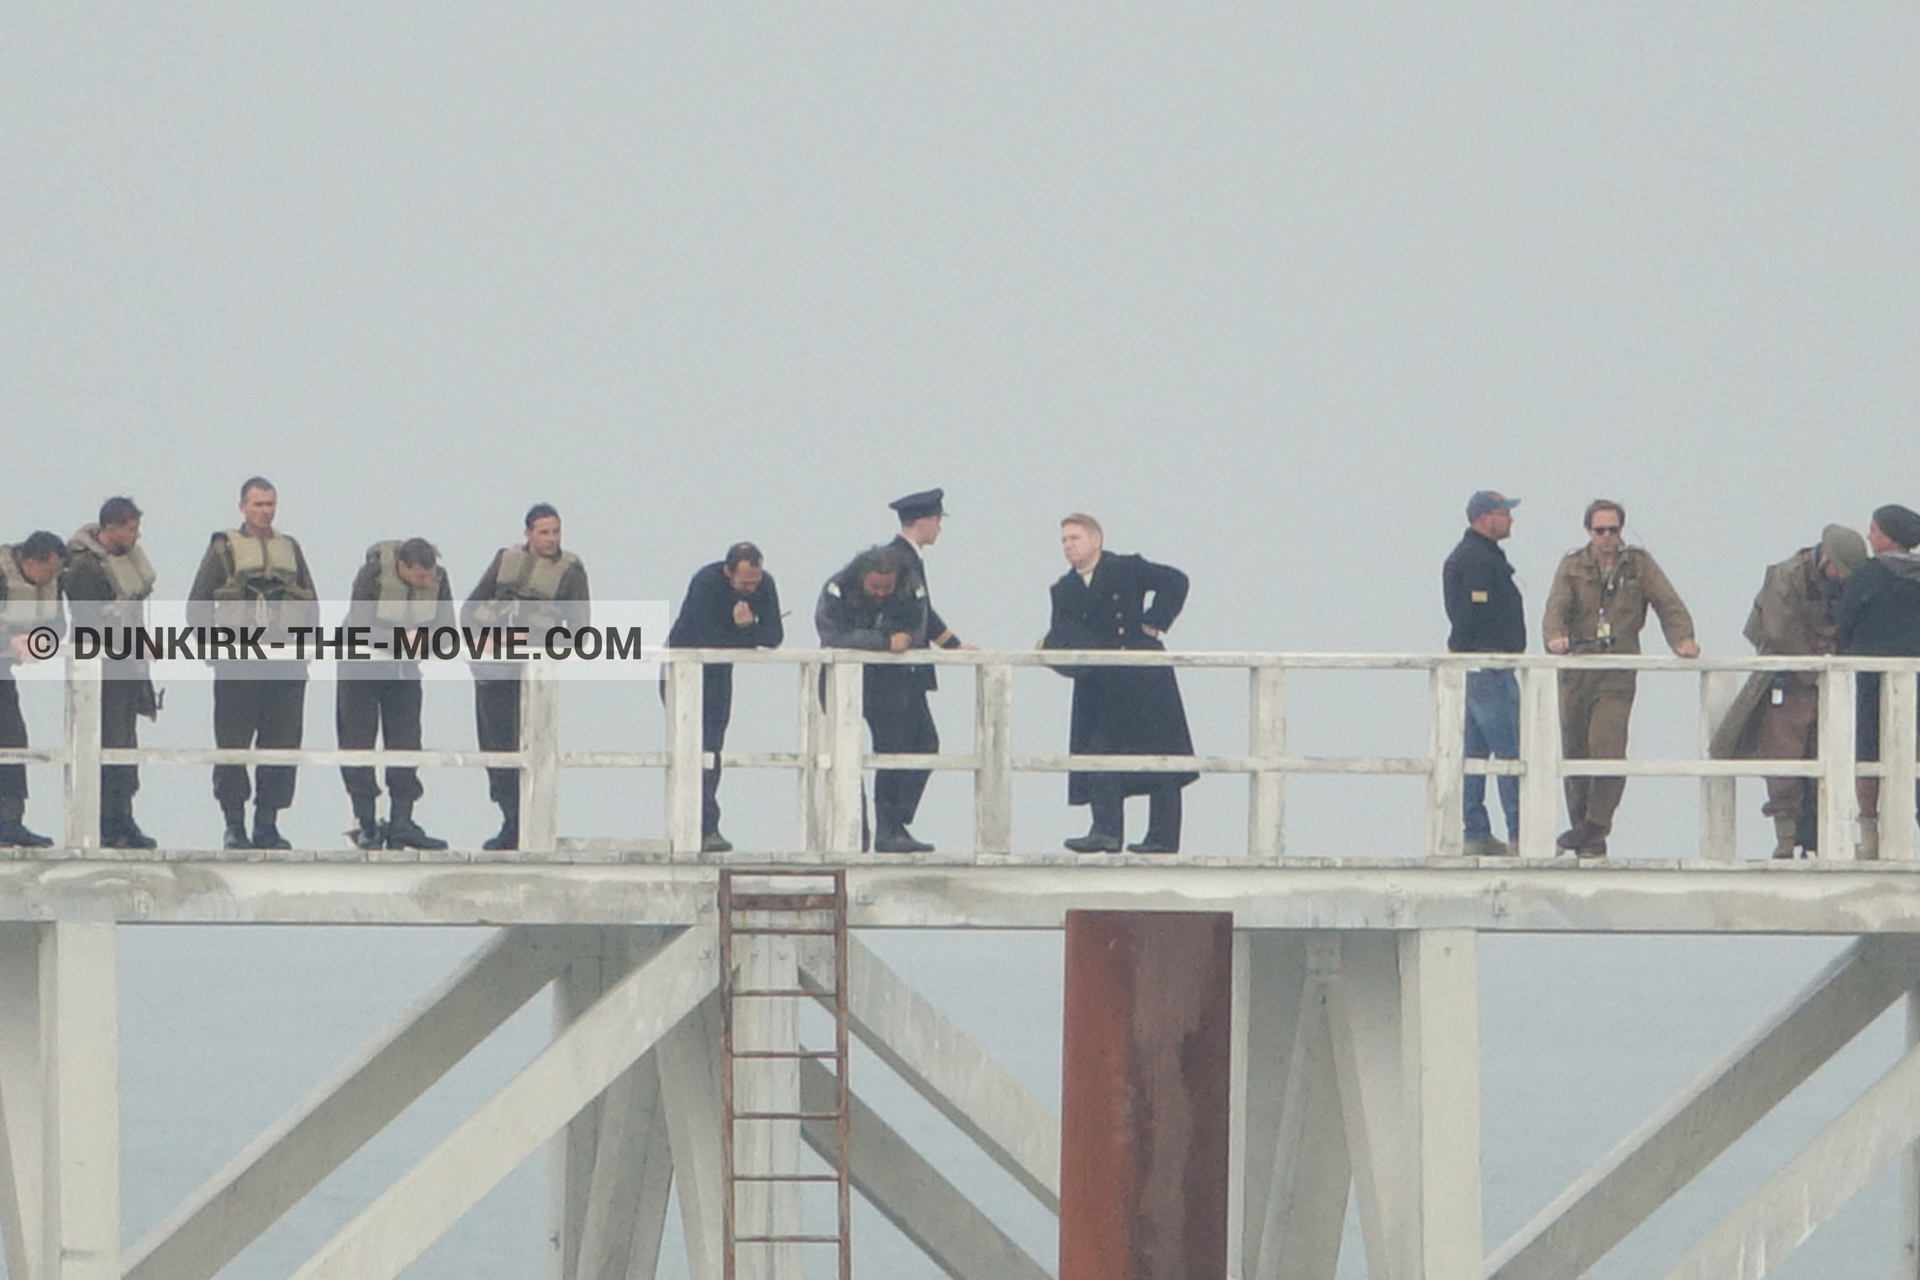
{"points": [[776, 903]]}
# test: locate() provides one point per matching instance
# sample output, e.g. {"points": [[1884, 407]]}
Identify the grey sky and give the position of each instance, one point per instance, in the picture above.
{"points": [[1270, 289]]}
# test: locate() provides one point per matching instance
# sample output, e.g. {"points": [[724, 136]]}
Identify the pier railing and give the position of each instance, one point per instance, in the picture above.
{"points": [[832, 752]]}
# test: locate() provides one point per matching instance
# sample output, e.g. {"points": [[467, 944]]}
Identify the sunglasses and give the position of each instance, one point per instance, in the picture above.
{"points": [[1603, 528]]}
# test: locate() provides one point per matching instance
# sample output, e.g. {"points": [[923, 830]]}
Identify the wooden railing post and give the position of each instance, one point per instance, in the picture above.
{"points": [[686, 699], [1267, 742], [540, 746], [1719, 818], [1540, 750], [83, 754], [1838, 806], [812, 737], [844, 751], [993, 744], [1446, 751], [1897, 734]]}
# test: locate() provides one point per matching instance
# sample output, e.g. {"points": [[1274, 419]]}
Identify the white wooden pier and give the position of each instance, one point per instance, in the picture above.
{"points": [[1357, 1072]]}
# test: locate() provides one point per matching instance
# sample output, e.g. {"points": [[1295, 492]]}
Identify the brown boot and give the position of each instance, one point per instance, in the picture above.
{"points": [[1786, 835], [1868, 850]]}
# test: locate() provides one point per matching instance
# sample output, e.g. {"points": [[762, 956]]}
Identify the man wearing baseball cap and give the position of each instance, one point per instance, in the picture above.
{"points": [[1484, 607], [1879, 614]]}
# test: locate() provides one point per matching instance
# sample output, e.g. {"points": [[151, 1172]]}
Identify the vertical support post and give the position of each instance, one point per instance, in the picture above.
{"points": [[993, 743], [1145, 1094], [1838, 805], [1909, 1266], [1267, 743], [689, 1061], [570, 1153], [1446, 752], [767, 1024], [1440, 1072], [1718, 796], [80, 1093], [21, 1106], [83, 754], [844, 688], [1897, 747], [686, 704], [812, 739], [1540, 749], [540, 744]]}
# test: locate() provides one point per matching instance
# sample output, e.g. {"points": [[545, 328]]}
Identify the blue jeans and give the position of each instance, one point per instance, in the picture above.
{"points": [[1493, 729]]}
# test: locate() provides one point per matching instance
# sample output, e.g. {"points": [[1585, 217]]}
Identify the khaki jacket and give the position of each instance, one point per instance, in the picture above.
{"points": [[1603, 613], [1793, 614]]}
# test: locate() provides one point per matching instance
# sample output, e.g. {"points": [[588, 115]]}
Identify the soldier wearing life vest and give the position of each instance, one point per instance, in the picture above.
{"points": [[535, 585], [253, 576], [108, 579], [400, 587], [29, 603]]}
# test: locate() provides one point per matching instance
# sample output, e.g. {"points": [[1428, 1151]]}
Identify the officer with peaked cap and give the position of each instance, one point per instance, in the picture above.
{"points": [[900, 717]]}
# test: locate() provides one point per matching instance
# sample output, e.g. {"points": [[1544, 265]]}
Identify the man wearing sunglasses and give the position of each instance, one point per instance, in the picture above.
{"points": [[1596, 606]]}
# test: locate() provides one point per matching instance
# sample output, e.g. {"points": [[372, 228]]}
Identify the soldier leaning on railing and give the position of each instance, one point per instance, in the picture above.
{"points": [[1879, 614]]}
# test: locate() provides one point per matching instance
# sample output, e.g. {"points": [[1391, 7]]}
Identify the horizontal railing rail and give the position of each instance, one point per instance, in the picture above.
{"points": [[832, 756]]}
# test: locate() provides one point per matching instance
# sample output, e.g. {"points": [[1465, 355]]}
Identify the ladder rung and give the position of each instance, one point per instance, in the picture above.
{"points": [[787, 1240], [789, 992], [786, 1177], [784, 933], [784, 901], [786, 1115], [786, 1053]]}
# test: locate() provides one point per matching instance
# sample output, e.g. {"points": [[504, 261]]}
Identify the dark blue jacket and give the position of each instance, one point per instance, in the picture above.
{"points": [[1482, 602]]}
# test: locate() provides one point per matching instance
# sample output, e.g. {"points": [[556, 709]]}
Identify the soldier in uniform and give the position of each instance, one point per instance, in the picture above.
{"points": [[254, 576], [871, 604], [1777, 713], [1879, 614], [1597, 605], [108, 580], [535, 585], [30, 597], [400, 587], [730, 604], [1101, 603]]}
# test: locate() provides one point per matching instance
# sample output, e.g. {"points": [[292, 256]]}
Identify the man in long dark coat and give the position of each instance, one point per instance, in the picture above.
{"points": [[1102, 603]]}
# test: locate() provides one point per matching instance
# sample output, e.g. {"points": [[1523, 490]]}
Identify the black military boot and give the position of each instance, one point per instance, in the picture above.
{"points": [[890, 833], [404, 833], [118, 830], [266, 835], [366, 833], [13, 828], [236, 835], [509, 837]]}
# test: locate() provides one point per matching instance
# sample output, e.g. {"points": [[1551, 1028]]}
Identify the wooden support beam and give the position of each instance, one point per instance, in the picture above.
{"points": [[1897, 748], [540, 743], [845, 730], [1303, 1208], [993, 743], [686, 699], [1845, 1156], [82, 821], [575, 1069], [961, 1080], [1363, 1014], [1266, 739], [1838, 804], [1685, 1135], [911, 1194], [340, 1114], [1540, 749], [1447, 751], [689, 1061], [1440, 1066], [1269, 981], [632, 1174], [80, 1100], [21, 1104], [1719, 816]]}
